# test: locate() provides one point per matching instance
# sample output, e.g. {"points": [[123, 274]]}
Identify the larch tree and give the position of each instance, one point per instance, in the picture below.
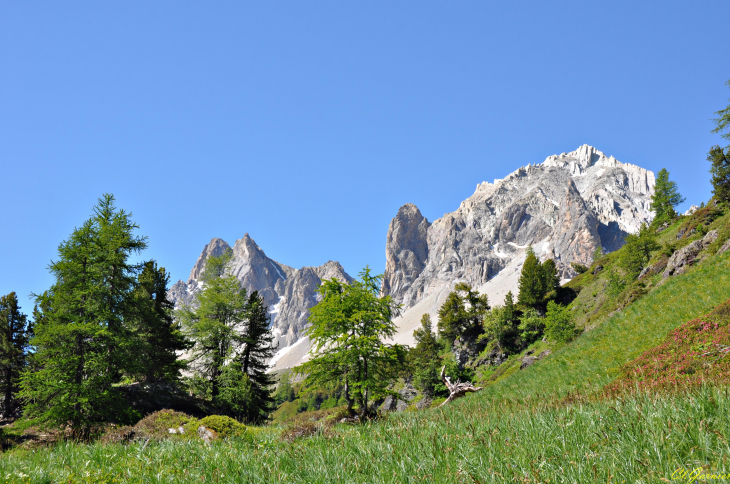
{"points": [[214, 324], [347, 330], [82, 345], [426, 359], [665, 198]]}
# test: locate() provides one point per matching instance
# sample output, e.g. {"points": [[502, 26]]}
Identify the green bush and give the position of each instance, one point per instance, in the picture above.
{"points": [[579, 268], [531, 326], [157, 424], [559, 325], [225, 426]]}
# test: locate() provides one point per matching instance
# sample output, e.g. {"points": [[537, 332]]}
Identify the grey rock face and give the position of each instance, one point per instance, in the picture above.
{"points": [[215, 248], [288, 292], [565, 208], [527, 361], [685, 257], [575, 235], [406, 249]]}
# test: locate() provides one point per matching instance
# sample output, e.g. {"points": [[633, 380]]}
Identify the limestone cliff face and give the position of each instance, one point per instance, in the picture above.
{"points": [[288, 292], [565, 208], [406, 249]]}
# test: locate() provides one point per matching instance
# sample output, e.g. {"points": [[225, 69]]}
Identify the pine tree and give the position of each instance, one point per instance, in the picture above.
{"points": [[665, 197], [82, 344], [15, 333], [158, 335], [531, 281], [426, 357], [549, 277], [255, 350], [462, 313], [720, 170]]}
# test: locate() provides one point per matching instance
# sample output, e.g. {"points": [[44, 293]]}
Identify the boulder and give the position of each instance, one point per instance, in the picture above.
{"points": [[685, 257], [208, 435], [424, 403], [527, 361], [406, 394], [543, 354], [597, 269]]}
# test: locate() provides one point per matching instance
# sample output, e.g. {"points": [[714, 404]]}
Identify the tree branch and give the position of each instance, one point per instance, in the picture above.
{"points": [[457, 389]]}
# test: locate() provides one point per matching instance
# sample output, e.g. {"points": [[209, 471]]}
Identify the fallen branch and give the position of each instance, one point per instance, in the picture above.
{"points": [[457, 389]]}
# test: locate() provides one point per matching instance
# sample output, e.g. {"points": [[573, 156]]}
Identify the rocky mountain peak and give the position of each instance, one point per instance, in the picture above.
{"points": [[215, 248], [406, 249], [564, 207], [288, 292]]}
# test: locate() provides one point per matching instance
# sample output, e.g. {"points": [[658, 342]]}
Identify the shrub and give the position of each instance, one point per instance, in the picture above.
{"points": [[615, 285], [579, 268], [531, 326], [156, 425], [225, 426], [559, 325]]}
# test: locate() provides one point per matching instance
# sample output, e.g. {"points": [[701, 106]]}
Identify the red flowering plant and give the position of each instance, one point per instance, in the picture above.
{"points": [[696, 352]]}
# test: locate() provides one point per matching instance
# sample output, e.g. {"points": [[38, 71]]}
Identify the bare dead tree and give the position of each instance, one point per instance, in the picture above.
{"points": [[457, 389]]}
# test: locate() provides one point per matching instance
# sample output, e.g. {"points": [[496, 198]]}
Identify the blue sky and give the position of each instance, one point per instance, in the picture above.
{"points": [[308, 124]]}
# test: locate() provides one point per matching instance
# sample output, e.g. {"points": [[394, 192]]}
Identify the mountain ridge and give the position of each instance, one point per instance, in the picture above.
{"points": [[565, 207]]}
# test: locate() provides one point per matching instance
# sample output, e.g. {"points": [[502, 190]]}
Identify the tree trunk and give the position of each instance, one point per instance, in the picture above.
{"points": [[458, 389], [347, 397]]}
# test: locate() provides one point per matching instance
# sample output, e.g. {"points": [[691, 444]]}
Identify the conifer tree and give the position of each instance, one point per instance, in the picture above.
{"points": [[255, 349], [347, 330], [720, 170], [531, 281], [159, 336], [82, 344], [15, 332], [549, 277], [426, 357], [665, 198], [462, 314]]}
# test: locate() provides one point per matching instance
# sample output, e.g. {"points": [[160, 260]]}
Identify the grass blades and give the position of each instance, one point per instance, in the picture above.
{"points": [[640, 439]]}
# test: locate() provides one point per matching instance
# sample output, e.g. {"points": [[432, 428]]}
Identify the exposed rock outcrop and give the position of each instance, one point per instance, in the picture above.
{"points": [[565, 208], [406, 249], [686, 256]]}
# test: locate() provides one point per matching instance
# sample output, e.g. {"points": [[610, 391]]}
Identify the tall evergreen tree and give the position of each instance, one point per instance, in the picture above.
{"points": [[256, 348], [531, 281], [82, 345], [15, 332], [719, 159], [426, 357], [549, 277], [462, 313], [666, 196], [159, 336]]}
